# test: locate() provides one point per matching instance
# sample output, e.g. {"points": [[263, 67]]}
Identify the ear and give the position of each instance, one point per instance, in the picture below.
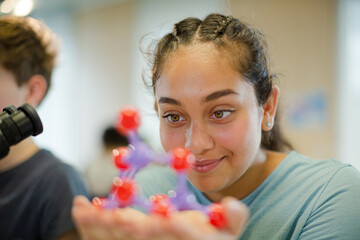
{"points": [[269, 109], [35, 90]]}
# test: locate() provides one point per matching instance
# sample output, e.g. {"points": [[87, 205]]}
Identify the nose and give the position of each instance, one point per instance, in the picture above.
{"points": [[198, 138]]}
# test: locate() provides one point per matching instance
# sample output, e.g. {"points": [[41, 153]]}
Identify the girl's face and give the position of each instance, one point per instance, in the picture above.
{"points": [[205, 105]]}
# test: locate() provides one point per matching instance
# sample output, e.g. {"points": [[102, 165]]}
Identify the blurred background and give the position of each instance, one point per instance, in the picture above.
{"points": [[314, 46]]}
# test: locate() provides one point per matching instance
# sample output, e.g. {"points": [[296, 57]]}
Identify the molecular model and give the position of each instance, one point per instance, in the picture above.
{"points": [[129, 160]]}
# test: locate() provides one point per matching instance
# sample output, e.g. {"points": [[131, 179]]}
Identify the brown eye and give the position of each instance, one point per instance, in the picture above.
{"points": [[174, 118], [221, 114], [218, 114]]}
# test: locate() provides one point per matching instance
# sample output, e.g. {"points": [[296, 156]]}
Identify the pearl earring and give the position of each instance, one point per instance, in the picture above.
{"points": [[268, 124]]}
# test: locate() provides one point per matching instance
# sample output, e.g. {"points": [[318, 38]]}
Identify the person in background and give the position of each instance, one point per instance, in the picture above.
{"points": [[37, 188], [100, 173], [216, 96]]}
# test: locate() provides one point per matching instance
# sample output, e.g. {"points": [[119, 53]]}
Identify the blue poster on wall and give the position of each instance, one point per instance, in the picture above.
{"points": [[308, 110]]}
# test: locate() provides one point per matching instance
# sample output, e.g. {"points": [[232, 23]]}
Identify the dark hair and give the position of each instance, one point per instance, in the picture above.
{"points": [[112, 138], [248, 48], [27, 48]]}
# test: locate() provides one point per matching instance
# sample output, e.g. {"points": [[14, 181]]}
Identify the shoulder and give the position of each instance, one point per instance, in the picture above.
{"points": [[56, 184], [310, 183], [314, 199], [336, 210], [315, 168], [53, 167], [321, 176], [343, 185], [59, 174]]}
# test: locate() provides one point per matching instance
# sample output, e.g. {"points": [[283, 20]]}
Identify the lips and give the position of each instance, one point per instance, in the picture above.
{"points": [[205, 165]]}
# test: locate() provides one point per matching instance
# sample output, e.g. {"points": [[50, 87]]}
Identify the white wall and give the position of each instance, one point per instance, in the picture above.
{"points": [[103, 38], [58, 111], [349, 80]]}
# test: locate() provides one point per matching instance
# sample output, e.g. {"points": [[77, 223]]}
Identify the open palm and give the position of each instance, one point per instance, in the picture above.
{"points": [[128, 223]]}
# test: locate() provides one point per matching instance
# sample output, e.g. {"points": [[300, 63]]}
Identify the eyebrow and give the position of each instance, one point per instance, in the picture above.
{"points": [[169, 101], [211, 97], [219, 94]]}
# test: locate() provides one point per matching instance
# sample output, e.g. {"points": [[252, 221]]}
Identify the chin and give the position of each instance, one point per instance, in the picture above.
{"points": [[205, 184]]}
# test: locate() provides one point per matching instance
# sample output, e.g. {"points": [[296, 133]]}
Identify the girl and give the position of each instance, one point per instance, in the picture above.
{"points": [[215, 96]]}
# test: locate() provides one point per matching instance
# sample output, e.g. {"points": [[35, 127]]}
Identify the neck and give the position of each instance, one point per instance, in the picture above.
{"points": [[18, 154]]}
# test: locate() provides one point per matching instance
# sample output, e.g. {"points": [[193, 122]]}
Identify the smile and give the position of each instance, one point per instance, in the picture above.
{"points": [[205, 165]]}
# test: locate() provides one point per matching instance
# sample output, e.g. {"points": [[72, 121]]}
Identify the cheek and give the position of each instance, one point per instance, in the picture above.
{"points": [[10, 96], [241, 135], [231, 137], [171, 138]]}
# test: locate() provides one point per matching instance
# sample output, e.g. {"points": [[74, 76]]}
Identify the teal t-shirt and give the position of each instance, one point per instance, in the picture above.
{"points": [[302, 198]]}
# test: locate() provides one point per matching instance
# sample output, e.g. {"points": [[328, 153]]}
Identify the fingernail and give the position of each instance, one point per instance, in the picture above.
{"points": [[234, 205]]}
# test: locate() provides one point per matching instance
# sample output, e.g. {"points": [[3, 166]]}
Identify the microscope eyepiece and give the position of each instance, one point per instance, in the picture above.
{"points": [[16, 125]]}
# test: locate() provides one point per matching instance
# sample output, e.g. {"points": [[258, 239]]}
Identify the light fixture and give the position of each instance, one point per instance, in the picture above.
{"points": [[17, 7], [23, 7], [7, 6]]}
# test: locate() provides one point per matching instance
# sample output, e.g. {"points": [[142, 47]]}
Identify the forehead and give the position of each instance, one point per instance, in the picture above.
{"points": [[200, 67], [199, 55]]}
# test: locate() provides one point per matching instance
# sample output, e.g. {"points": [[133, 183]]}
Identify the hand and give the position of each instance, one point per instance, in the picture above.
{"points": [[128, 223]]}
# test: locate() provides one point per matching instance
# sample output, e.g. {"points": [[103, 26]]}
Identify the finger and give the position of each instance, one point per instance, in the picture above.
{"points": [[80, 201], [82, 210], [187, 225], [237, 215], [132, 223], [93, 223]]}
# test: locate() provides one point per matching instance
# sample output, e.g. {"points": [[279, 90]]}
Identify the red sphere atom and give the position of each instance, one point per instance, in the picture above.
{"points": [[127, 120], [161, 205], [217, 215], [124, 189], [180, 158], [119, 155]]}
